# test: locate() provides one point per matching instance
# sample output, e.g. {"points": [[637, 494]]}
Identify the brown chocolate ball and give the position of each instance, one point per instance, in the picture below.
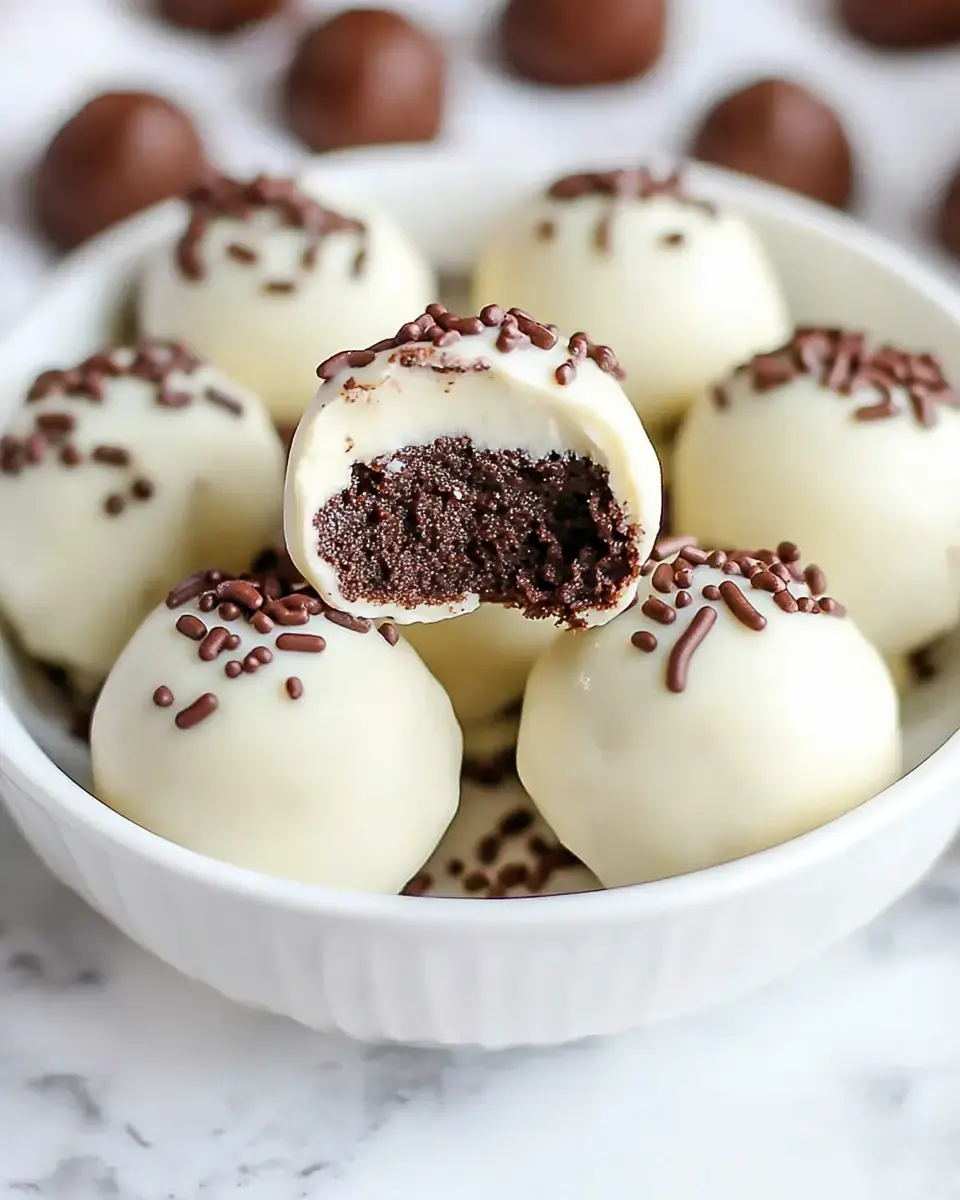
{"points": [[903, 24], [122, 152], [365, 77], [780, 132], [576, 43], [217, 16], [950, 216]]}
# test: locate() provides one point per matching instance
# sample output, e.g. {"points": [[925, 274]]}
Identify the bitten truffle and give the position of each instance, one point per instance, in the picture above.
{"points": [[559, 42], [267, 280], [468, 460], [139, 462], [122, 152], [734, 707], [247, 721], [853, 450], [681, 287], [780, 132], [950, 216], [217, 16], [366, 76], [903, 24]]}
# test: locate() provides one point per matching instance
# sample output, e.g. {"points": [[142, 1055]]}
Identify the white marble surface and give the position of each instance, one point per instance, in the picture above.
{"points": [[120, 1079]]}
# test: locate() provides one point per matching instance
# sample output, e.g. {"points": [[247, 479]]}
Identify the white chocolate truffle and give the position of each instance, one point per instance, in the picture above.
{"points": [[266, 281], [727, 712], [851, 453], [499, 846], [141, 464], [490, 745], [473, 459], [482, 659], [683, 289], [280, 736]]}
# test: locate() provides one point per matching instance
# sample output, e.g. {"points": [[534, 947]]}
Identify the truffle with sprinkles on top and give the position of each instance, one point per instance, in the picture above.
{"points": [[266, 278], [139, 461], [235, 720], [679, 285], [733, 707], [852, 447]]}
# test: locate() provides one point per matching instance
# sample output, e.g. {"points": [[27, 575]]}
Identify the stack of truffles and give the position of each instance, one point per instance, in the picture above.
{"points": [[468, 567]]}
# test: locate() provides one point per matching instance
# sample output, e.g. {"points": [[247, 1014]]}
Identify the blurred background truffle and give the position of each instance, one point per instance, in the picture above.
{"points": [[367, 76], [122, 152], [575, 43], [780, 132], [903, 24], [950, 215], [217, 16]]}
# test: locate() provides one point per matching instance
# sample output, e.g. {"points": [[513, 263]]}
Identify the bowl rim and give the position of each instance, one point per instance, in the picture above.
{"points": [[24, 763]]}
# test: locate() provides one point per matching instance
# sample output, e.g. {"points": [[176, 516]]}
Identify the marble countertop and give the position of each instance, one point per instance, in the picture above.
{"points": [[120, 1079]]}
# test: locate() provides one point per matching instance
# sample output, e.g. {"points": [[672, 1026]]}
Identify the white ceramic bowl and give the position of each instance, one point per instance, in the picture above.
{"points": [[541, 970]]}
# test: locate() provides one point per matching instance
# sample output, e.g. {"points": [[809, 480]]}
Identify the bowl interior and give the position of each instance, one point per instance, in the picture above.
{"points": [[833, 272]]}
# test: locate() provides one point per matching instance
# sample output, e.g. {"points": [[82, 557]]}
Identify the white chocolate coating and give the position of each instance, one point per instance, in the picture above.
{"points": [[85, 579], [487, 741], [350, 786], [482, 659], [678, 313], [412, 395], [876, 504], [270, 341], [481, 812], [776, 732]]}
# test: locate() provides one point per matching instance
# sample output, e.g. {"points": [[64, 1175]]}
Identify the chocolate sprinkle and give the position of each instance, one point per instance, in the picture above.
{"points": [[191, 627], [242, 254], [349, 621], [163, 697], [303, 643], [294, 687], [229, 403], [815, 579], [741, 607], [214, 642], [682, 651], [191, 587], [658, 611], [111, 456], [644, 640], [241, 592], [204, 706], [389, 633], [114, 504]]}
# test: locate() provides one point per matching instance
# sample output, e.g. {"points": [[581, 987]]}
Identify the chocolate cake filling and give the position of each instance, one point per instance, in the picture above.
{"points": [[432, 524]]}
